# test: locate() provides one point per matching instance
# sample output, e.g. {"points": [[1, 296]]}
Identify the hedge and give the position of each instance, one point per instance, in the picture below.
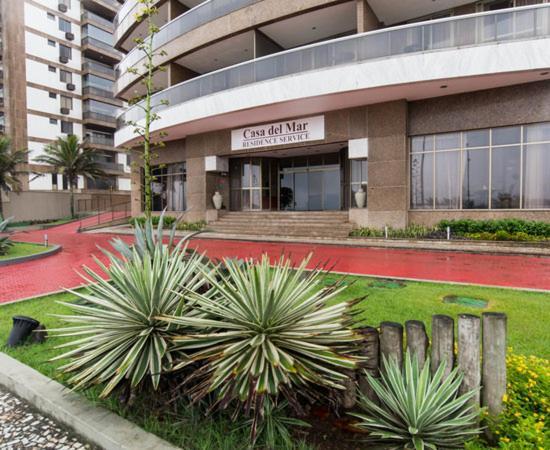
{"points": [[510, 226]]}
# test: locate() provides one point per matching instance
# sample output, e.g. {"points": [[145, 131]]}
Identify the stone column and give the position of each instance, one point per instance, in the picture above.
{"points": [[366, 19], [387, 197]]}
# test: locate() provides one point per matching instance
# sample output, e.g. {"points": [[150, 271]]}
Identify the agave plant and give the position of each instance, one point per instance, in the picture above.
{"points": [[115, 330], [416, 410], [269, 330], [5, 242]]}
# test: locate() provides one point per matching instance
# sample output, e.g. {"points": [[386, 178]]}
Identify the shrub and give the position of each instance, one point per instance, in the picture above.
{"points": [[527, 406], [512, 226], [410, 232], [141, 220], [5, 242], [116, 333], [417, 410], [269, 331], [191, 226]]}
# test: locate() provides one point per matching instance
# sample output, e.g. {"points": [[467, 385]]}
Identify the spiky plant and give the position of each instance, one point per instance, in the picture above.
{"points": [[416, 410], [5, 242], [116, 333], [269, 330]]}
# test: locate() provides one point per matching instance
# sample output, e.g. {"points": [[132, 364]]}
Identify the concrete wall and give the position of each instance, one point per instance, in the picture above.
{"points": [[36, 205]]}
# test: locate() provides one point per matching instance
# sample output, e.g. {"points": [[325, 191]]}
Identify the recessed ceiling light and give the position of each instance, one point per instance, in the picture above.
{"points": [[313, 28], [544, 73], [443, 86], [245, 50], [215, 59]]}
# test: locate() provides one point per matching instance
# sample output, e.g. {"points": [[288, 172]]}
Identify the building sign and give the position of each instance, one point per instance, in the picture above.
{"points": [[280, 133]]}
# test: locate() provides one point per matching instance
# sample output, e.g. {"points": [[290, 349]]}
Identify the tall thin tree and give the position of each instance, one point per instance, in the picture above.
{"points": [[68, 157], [10, 168], [147, 70]]}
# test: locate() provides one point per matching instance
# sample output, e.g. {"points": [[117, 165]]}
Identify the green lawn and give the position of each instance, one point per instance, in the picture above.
{"points": [[528, 314], [23, 249]]}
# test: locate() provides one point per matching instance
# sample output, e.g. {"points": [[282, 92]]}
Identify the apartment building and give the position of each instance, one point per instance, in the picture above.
{"points": [[58, 78], [339, 113]]}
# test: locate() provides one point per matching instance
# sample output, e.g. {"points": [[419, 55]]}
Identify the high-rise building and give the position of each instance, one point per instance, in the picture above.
{"points": [[372, 112], [58, 77]]}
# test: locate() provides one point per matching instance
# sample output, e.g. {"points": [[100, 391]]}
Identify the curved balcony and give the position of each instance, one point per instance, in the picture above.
{"points": [[175, 36], [470, 32], [125, 20]]}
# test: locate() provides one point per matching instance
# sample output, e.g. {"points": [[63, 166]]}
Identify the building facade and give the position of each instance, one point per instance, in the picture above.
{"points": [[58, 79], [433, 109]]}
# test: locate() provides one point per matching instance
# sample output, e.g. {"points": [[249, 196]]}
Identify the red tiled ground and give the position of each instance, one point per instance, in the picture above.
{"points": [[60, 271]]}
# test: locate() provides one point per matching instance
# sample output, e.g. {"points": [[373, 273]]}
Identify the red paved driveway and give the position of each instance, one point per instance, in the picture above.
{"points": [[60, 271]]}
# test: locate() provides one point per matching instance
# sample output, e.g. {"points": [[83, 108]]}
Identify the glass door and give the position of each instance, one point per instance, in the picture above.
{"points": [[250, 184]]}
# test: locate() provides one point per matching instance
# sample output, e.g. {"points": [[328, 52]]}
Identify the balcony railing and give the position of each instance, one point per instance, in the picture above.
{"points": [[90, 16], [99, 139], [470, 30], [92, 90], [87, 40], [110, 166], [88, 66], [201, 14], [99, 116]]}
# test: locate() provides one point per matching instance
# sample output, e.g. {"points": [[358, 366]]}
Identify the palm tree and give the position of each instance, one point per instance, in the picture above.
{"points": [[70, 158], [10, 171]]}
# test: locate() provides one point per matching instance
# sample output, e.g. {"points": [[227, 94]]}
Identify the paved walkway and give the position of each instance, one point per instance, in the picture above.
{"points": [[21, 427], [60, 271]]}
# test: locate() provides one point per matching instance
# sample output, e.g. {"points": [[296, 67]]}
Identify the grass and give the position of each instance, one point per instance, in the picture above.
{"points": [[23, 249], [528, 314]]}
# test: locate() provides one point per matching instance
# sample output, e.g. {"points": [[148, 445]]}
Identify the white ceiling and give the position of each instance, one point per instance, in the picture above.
{"points": [[390, 12], [140, 31], [191, 3], [313, 26], [224, 53]]}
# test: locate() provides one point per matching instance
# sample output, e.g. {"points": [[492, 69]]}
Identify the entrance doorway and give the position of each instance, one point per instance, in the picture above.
{"points": [[310, 184]]}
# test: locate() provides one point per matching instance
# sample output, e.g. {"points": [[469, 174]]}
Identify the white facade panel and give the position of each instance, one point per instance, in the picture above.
{"points": [[38, 46], [73, 10], [38, 73], [39, 20], [40, 183], [40, 127]]}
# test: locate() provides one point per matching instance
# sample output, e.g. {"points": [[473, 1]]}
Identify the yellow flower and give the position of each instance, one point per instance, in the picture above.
{"points": [[505, 398]]}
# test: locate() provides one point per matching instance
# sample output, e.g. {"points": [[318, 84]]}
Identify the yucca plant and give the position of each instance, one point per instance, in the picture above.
{"points": [[269, 330], [5, 242], [416, 410], [116, 333]]}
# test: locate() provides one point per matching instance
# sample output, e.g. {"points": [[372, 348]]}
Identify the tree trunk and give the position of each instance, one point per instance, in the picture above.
{"points": [[71, 187], [1, 207]]}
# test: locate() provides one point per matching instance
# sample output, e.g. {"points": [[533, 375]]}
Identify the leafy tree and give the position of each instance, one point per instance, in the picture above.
{"points": [[70, 158], [148, 69], [10, 168]]}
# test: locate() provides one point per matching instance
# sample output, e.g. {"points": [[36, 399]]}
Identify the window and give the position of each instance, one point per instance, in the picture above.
{"points": [[499, 168], [52, 95], [99, 34], [358, 177], [65, 51], [65, 76], [50, 16], [98, 82], [52, 69], [64, 25], [169, 187], [53, 121], [67, 127], [51, 43], [66, 102]]}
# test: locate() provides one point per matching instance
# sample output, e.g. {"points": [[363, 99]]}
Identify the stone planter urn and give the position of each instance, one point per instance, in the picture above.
{"points": [[217, 199], [360, 198]]}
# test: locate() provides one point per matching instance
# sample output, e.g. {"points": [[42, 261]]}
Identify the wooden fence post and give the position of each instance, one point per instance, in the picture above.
{"points": [[371, 350], [417, 340], [494, 361], [391, 341], [443, 341], [469, 354]]}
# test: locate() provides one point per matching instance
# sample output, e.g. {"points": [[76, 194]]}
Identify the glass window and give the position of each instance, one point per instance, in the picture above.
{"points": [[66, 127], [506, 135], [538, 132], [99, 34], [65, 76], [52, 69], [52, 95], [447, 180], [50, 16], [66, 102], [359, 177], [51, 43], [505, 176], [53, 121], [98, 82], [422, 144], [478, 138], [536, 176], [475, 179], [168, 187], [65, 51], [447, 141], [422, 181], [64, 25]]}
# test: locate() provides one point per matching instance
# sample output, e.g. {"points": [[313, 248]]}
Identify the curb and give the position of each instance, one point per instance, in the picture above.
{"points": [[21, 259], [95, 424]]}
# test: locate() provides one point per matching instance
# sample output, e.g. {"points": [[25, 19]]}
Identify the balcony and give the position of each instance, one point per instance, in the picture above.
{"points": [[99, 118], [88, 16], [92, 66], [110, 166], [201, 14], [464, 33], [98, 92], [125, 19], [99, 49]]}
